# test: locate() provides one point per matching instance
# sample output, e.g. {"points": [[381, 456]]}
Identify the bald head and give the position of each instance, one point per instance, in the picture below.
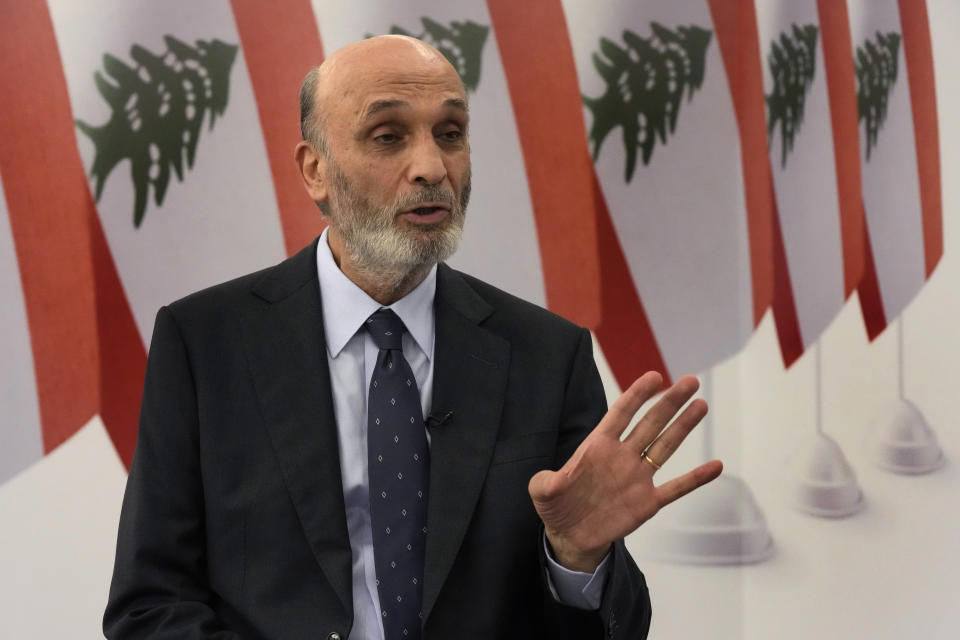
{"points": [[365, 65]]}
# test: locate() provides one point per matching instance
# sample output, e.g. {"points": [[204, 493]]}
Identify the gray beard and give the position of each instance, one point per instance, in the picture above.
{"points": [[381, 249]]}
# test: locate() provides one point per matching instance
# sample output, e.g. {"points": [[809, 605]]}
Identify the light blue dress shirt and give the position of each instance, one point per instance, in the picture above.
{"points": [[352, 355]]}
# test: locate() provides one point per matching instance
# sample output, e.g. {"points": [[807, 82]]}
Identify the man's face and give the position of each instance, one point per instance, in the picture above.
{"points": [[397, 167], [378, 237]]}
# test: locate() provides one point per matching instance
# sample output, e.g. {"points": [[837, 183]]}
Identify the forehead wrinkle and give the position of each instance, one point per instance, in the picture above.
{"points": [[409, 56], [366, 78], [377, 106]]}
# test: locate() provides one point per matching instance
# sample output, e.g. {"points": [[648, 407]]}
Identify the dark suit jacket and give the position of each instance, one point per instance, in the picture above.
{"points": [[233, 521]]}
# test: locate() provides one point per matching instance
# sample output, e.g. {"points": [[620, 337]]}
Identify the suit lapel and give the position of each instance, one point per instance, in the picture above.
{"points": [[286, 351], [470, 375]]}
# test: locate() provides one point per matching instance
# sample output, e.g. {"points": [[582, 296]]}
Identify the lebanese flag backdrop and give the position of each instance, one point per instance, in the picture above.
{"points": [[899, 153], [622, 175], [23, 438], [61, 291], [159, 216], [811, 121], [676, 158]]}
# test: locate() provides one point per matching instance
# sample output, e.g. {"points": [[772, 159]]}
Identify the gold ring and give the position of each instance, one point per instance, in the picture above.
{"points": [[653, 462]]}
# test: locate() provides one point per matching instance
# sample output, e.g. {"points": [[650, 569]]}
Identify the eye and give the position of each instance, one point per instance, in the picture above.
{"points": [[452, 135], [386, 138]]}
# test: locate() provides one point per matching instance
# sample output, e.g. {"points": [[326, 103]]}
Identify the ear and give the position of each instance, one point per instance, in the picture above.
{"points": [[311, 165]]}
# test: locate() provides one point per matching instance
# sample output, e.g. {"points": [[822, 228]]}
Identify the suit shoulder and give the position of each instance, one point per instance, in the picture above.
{"points": [[515, 311], [234, 295]]}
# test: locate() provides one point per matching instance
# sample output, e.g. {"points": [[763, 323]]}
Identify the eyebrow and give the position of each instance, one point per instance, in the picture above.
{"points": [[456, 103], [382, 105]]}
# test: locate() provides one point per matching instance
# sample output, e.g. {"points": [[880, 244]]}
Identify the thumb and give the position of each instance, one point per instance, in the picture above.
{"points": [[540, 486]]}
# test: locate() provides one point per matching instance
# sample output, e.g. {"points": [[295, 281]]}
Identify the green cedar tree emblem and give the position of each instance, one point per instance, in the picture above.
{"points": [[646, 81], [461, 43], [158, 107], [875, 65], [792, 62]]}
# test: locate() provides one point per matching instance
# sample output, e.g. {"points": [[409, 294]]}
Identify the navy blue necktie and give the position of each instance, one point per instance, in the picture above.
{"points": [[399, 476]]}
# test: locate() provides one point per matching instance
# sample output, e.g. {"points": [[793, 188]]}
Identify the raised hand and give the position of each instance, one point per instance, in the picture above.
{"points": [[606, 490]]}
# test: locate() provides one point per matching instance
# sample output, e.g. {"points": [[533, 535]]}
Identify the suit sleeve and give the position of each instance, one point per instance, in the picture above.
{"points": [[625, 607], [160, 588]]}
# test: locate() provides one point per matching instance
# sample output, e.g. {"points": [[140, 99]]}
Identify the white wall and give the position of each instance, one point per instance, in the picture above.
{"points": [[58, 530]]}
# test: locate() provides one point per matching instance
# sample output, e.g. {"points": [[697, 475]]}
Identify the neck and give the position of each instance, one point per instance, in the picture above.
{"points": [[386, 286]]}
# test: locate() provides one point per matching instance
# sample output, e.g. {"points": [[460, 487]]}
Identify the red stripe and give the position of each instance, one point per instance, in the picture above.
{"points": [[123, 359], [842, 91], [48, 201], [735, 24], [624, 332], [542, 79], [784, 306], [280, 44], [871, 302], [923, 101], [88, 356]]}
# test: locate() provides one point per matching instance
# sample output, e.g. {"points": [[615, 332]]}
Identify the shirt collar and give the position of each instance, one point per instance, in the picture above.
{"points": [[346, 306]]}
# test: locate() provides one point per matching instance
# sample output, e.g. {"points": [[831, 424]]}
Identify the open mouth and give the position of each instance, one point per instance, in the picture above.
{"points": [[426, 211]]}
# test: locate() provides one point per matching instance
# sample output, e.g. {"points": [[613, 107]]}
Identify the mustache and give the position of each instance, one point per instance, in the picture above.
{"points": [[429, 193]]}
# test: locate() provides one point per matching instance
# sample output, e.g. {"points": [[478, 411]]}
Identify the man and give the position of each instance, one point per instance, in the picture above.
{"points": [[258, 505]]}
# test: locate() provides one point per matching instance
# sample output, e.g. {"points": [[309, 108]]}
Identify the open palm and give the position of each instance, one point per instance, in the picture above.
{"points": [[606, 490]]}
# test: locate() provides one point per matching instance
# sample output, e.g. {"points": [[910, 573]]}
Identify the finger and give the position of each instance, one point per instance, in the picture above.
{"points": [[681, 486], [544, 487], [667, 442], [540, 485], [629, 402], [660, 414]]}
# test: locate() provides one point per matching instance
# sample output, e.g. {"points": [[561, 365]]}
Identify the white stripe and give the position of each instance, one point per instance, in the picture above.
{"points": [[20, 433]]}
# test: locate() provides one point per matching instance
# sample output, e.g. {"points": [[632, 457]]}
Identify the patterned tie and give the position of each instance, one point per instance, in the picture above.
{"points": [[399, 476]]}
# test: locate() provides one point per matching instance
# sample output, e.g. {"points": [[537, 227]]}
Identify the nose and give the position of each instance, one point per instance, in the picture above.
{"points": [[426, 162]]}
